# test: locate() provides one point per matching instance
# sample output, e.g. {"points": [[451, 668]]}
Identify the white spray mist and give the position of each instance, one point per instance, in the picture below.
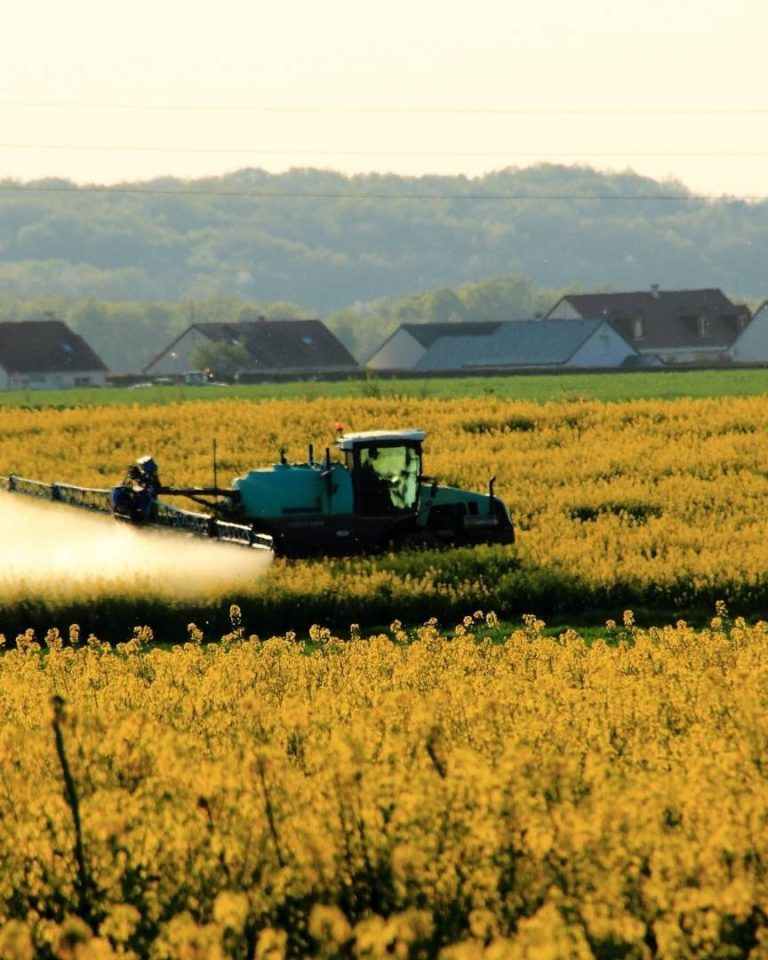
{"points": [[46, 544]]}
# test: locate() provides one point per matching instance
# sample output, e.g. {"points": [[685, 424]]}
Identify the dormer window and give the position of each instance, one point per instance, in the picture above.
{"points": [[638, 331]]}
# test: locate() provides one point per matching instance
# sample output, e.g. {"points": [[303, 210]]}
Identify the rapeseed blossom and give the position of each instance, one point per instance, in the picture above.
{"points": [[648, 502], [445, 796]]}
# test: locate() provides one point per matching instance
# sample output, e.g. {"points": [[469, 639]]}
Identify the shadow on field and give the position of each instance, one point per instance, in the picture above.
{"points": [[372, 592]]}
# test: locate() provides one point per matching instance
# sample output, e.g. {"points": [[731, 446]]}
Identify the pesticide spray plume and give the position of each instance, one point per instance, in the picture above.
{"points": [[46, 544]]}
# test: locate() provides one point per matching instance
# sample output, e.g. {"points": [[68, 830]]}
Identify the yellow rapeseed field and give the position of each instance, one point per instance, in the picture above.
{"points": [[642, 503], [457, 794], [445, 797]]}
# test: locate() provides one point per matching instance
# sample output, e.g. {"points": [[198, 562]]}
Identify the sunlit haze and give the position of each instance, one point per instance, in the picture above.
{"points": [[103, 94]]}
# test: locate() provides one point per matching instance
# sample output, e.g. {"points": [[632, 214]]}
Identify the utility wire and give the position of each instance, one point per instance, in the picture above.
{"points": [[341, 152], [6, 187], [393, 110]]}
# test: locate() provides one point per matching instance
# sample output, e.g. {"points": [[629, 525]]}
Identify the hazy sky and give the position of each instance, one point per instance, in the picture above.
{"points": [[101, 92]]}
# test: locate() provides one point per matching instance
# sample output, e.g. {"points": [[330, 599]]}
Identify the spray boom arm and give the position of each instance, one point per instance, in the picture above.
{"points": [[158, 514]]}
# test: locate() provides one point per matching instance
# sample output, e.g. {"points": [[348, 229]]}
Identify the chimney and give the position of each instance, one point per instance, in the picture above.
{"points": [[655, 291]]}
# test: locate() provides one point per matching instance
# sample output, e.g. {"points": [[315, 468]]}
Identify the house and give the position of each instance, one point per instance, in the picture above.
{"points": [[264, 347], [751, 345], [405, 347], [678, 326], [46, 354], [511, 344]]}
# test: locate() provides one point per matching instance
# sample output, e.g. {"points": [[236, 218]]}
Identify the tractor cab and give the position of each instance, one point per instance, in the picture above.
{"points": [[385, 468]]}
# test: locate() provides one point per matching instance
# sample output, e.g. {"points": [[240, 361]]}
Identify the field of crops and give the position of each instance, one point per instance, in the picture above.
{"points": [[204, 758], [409, 796], [648, 504]]}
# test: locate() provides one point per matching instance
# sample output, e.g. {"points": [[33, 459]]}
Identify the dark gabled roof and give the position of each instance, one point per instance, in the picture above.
{"points": [[278, 344], [284, 344], [427, 333], [513, 343], [45, 346], [670, 317]]}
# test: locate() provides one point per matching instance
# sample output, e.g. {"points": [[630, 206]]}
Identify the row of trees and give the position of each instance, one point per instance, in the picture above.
{"points": [[364, 326], [127, 335]]}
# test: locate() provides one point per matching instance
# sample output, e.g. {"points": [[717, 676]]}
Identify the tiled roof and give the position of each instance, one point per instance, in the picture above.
{"points": [[44, 346], [514, 343], [279, 344], [670, 318]]}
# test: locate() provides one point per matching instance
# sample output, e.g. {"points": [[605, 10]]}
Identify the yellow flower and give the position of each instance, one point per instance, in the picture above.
{"points": [[230, 910], [16, 941], [271, 944], [122, 919], [329, 926]]}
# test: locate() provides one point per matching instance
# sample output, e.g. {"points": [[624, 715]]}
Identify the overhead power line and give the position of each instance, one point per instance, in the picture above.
{"points": [[387, 109], [342, 152], [6, 187]]}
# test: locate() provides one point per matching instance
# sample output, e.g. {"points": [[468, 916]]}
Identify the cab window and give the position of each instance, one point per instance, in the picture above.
{"points": [[387, 479]]}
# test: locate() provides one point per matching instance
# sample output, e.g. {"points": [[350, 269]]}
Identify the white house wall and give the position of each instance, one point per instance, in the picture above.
{"points": [[605, 348], [752, 344], [401, 352]]}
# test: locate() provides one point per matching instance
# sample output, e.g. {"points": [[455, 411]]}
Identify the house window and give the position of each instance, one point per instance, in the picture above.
{"points": [[604, 343], [637, 328], [704, 326], [82, 381]]}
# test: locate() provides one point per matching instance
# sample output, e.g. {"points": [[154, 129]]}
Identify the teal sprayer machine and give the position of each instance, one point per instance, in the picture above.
{"points": [[373, 497]]}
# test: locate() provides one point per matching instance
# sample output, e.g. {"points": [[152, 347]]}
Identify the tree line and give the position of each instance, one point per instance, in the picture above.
{"points": [[127, 335]]}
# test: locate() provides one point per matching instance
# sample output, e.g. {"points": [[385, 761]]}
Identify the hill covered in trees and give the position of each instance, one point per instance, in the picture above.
{"points": [[151, 256]]}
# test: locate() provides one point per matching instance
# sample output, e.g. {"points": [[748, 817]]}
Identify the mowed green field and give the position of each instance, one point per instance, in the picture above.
{"points": [[610, 387]]}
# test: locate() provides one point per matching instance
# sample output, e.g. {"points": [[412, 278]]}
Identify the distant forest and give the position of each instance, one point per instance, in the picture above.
{"points": [[131, 265]]}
